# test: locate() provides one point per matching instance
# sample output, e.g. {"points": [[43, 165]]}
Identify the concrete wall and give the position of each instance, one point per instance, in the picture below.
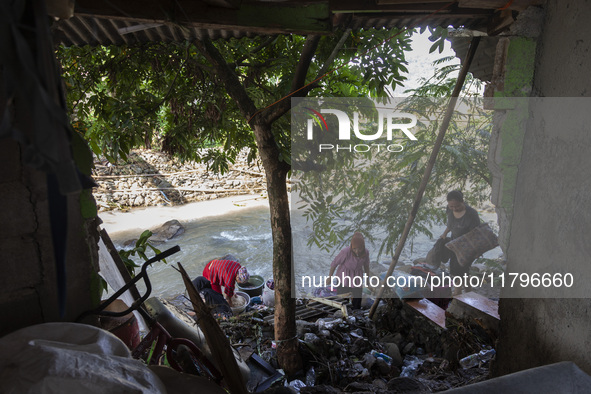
{"points": [[551, 222], [28, 291]]}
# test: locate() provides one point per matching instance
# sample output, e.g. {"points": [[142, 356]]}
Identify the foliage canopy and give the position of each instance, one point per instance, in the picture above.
{"points": [[166, 96]]}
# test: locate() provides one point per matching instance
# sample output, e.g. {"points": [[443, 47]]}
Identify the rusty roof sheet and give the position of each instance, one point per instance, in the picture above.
{"points": [[119, 27], [83, 30]]}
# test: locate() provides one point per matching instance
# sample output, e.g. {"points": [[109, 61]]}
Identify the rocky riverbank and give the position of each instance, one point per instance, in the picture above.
{"points": [[151, 178]]}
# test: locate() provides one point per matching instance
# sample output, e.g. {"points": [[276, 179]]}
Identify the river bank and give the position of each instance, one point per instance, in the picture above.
{"points": [[151, 178]]}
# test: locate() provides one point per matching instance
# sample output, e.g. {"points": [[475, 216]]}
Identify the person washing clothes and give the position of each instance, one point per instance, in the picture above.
{"points": [[351, 262], [218, 304], [225, 273]]}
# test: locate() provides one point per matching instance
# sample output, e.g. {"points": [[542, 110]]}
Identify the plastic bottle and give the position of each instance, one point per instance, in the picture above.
{"points": [[476, 358], [383, 356], [311, 377]]}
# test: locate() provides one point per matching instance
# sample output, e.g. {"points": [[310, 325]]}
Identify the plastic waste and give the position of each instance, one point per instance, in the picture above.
{"points": [[41, 359], [383, 356], [327, 324], [310, 337], [296, 384], [269, 293], [310, 377], [477, 358], [410, 366]]}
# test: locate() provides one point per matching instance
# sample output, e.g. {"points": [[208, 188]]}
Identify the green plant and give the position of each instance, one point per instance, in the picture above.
{"points": [[140, 248]]}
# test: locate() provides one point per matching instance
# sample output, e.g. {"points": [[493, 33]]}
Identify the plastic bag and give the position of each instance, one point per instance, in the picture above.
{"points": [[71, 358]]}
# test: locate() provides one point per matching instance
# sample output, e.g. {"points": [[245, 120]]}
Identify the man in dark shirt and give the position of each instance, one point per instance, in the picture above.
{"points": [[461, 219]]}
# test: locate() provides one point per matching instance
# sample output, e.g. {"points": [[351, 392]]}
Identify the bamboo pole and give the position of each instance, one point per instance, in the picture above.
{"points": [[219, 344], [427, 174]]}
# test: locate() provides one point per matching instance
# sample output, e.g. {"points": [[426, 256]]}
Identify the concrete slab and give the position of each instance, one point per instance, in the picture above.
{"points": [[429, 310], [476, 308]]}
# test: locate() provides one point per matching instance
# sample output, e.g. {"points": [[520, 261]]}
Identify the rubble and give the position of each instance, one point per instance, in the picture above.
{"points": [[395, 352]]}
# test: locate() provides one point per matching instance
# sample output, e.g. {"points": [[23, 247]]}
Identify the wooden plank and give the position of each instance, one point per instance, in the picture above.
{"points": [[500, 22], [334, 304], [317, 307], [269, 17], [355, 6], [476, 309]]}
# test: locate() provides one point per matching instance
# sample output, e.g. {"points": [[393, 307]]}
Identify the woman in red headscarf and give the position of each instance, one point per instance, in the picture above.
{"points": [[350, 264]]}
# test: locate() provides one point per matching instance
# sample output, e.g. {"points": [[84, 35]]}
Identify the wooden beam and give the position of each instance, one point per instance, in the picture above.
{"points": [[500, 21], [250, 16], [356, 6], [334, 304], [380, 2], [224, 3], [516, 5]]}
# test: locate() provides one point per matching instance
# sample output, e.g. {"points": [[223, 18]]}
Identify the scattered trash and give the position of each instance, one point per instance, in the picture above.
{"points": [[310, 377], [383, 356], [296, 384], [410, 366], [477, 358], [355, 351]]}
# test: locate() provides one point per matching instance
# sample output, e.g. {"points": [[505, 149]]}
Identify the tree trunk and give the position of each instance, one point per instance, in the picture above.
{"points": [[288, 355]]}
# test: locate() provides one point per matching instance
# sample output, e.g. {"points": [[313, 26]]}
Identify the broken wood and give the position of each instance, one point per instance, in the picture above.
{"points": [[125, 275], [334, 304], [218, 342], [315, 309]]}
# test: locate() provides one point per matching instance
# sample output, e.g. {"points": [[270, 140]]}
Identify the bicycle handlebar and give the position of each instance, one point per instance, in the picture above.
{"points": [[142, 275]]}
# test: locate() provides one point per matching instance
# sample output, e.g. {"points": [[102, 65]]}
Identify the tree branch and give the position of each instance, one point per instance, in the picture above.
{"points": [[279, 109], [299, 77], [334, 53], [228, 77], [262, 46]]}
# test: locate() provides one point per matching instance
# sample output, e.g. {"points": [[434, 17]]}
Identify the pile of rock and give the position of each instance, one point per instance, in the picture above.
{"points": [[151, 178]]}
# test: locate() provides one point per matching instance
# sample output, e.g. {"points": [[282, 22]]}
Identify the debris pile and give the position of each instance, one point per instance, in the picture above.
{"points": [[346, 351]]}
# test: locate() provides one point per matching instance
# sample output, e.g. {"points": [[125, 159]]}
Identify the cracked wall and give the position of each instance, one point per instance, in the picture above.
{"points": [[28, 292], [547, 195]]}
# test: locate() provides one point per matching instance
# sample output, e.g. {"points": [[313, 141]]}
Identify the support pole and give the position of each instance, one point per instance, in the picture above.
{"points": [[432, 159]]}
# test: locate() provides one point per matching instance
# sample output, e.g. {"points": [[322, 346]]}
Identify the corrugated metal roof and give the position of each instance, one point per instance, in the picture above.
{"points": [[85, 28], [88, 30]]}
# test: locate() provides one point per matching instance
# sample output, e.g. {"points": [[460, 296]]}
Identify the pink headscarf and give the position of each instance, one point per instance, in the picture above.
{"points": [[358, 240], [242, 276]]}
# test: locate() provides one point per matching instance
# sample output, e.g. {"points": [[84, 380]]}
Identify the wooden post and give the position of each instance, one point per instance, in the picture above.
{"points": [[432, 159]]}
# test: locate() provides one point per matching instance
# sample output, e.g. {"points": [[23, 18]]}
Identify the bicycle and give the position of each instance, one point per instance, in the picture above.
{"points": [[158, 337]]}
